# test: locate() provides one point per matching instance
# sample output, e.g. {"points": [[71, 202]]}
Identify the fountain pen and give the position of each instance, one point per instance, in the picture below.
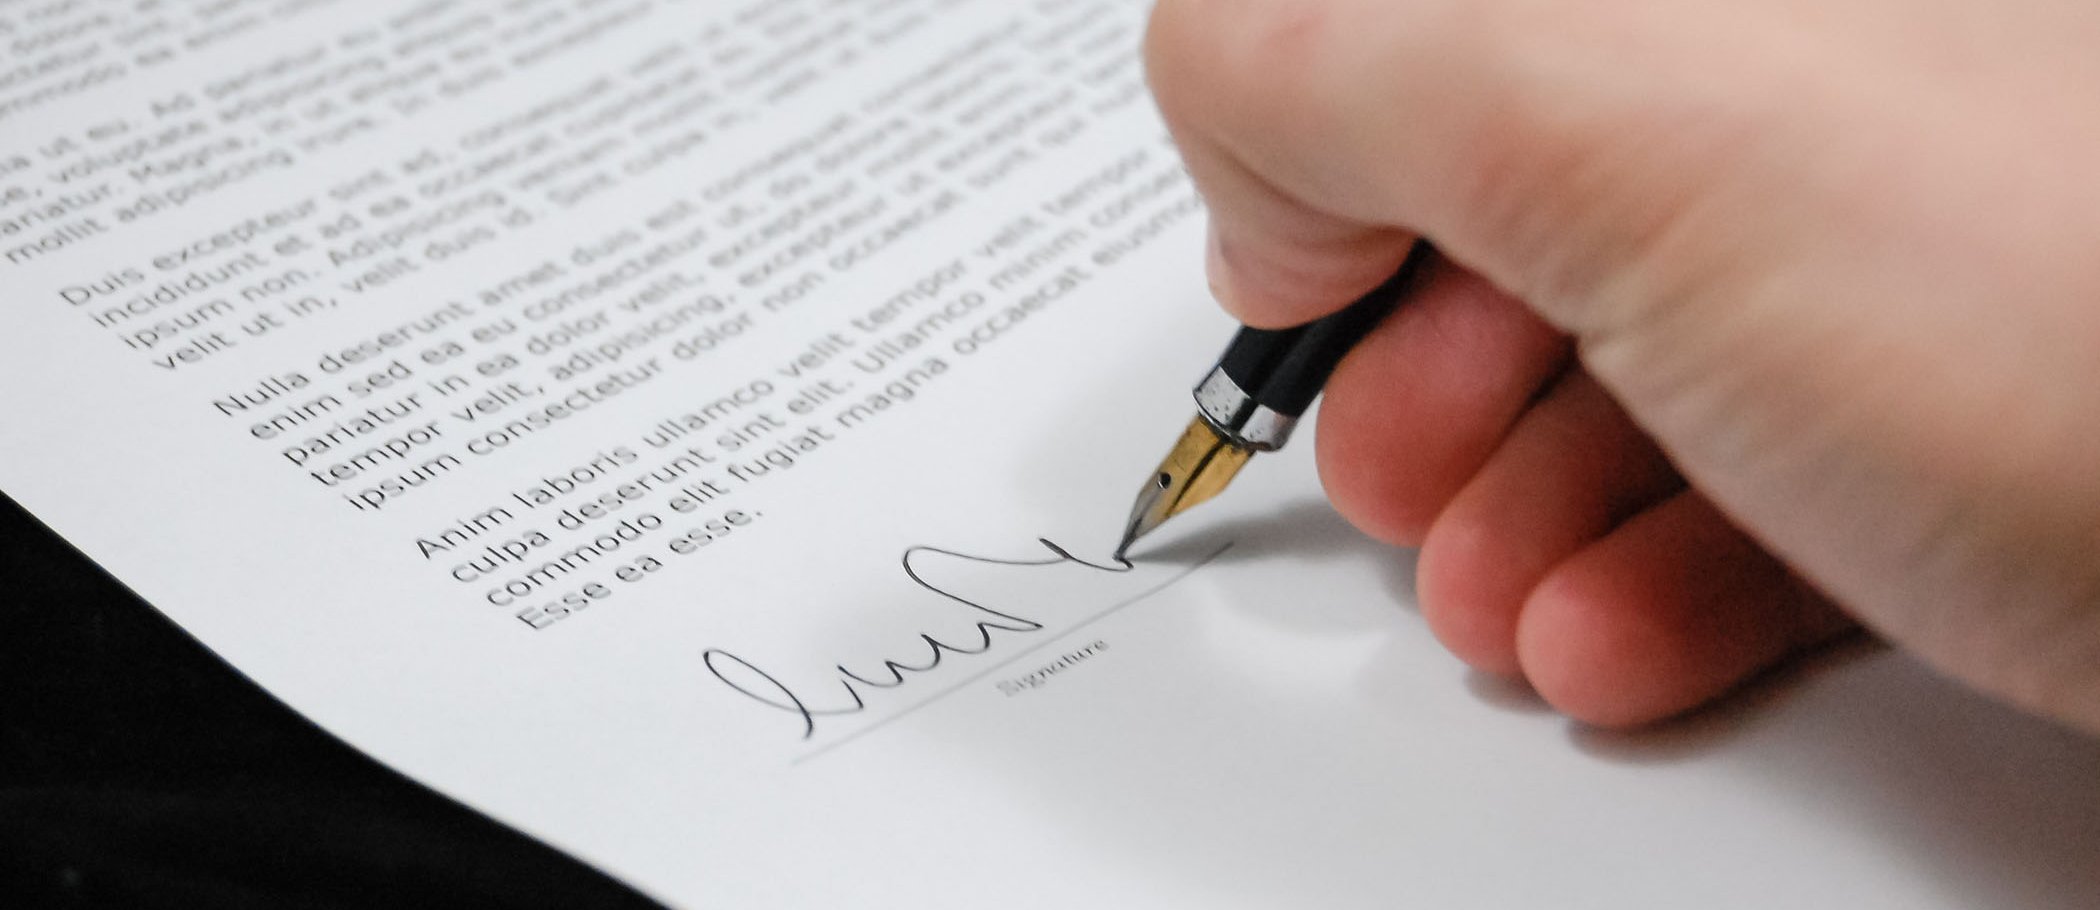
{"points": [[1253, 398]]}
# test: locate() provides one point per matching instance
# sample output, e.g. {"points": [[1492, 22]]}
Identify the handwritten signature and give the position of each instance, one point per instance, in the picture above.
{"points": [[766, 689]]}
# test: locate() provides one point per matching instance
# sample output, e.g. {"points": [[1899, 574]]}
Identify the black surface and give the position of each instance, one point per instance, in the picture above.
{"points": [[137, 770], [1284, 369]]}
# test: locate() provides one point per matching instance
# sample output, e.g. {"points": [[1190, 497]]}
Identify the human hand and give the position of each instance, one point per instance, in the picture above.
{"points": [[1757, 319]]}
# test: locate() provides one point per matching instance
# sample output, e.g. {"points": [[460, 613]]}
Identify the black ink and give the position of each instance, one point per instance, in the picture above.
{"points": [[766, 689]]}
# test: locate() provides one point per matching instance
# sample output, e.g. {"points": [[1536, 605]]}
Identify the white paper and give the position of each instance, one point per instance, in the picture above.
{"points": [[856, 300]]}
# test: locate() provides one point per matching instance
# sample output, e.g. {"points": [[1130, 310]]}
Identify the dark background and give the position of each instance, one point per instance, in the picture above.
{"points": [[138, 770]]}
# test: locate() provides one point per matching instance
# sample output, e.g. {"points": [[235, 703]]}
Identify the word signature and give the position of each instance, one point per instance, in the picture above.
{"points": [[766, 689]]}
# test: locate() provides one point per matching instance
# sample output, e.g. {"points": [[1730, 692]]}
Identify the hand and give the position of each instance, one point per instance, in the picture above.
{"points": [[1758, 319]]}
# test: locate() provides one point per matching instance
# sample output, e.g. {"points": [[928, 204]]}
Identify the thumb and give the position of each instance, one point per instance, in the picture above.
{"points": [[1550, 148], [1326, 135]]}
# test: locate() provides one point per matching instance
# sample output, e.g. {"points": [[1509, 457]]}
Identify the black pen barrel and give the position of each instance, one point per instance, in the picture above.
{"points": [[1284, 369]]}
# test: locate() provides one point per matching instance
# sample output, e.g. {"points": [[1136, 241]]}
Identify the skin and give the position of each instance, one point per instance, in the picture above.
{"points": [[1756, 322]]}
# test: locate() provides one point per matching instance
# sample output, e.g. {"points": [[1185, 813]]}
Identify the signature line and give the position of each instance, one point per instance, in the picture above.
{"points": [[972, 680]]}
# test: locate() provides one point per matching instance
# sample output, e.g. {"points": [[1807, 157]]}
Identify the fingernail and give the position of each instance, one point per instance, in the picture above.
{"points": [[1215, 268]]}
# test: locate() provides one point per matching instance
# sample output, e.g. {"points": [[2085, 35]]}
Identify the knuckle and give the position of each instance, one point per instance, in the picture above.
{"points": [[1169, 56], [1228, 61]]}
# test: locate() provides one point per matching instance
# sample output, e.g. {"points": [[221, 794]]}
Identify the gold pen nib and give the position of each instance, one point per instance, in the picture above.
{"points": [[1200, 466]]}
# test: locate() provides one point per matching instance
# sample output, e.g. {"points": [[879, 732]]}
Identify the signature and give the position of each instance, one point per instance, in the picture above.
{"points": [[754, 683]]}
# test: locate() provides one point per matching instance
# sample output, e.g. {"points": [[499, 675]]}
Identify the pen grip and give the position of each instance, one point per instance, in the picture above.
{"points": [[1284, 369]]}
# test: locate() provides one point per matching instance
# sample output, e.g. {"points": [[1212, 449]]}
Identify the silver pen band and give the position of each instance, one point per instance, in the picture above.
{"points": [[1239, 417]]}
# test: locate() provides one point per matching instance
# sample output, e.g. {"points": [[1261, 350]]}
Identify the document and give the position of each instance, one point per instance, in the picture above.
{"points": [[695, 433]]}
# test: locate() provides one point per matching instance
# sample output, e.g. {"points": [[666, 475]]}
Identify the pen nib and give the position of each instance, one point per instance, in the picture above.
{"points": [[1200, 466]]}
